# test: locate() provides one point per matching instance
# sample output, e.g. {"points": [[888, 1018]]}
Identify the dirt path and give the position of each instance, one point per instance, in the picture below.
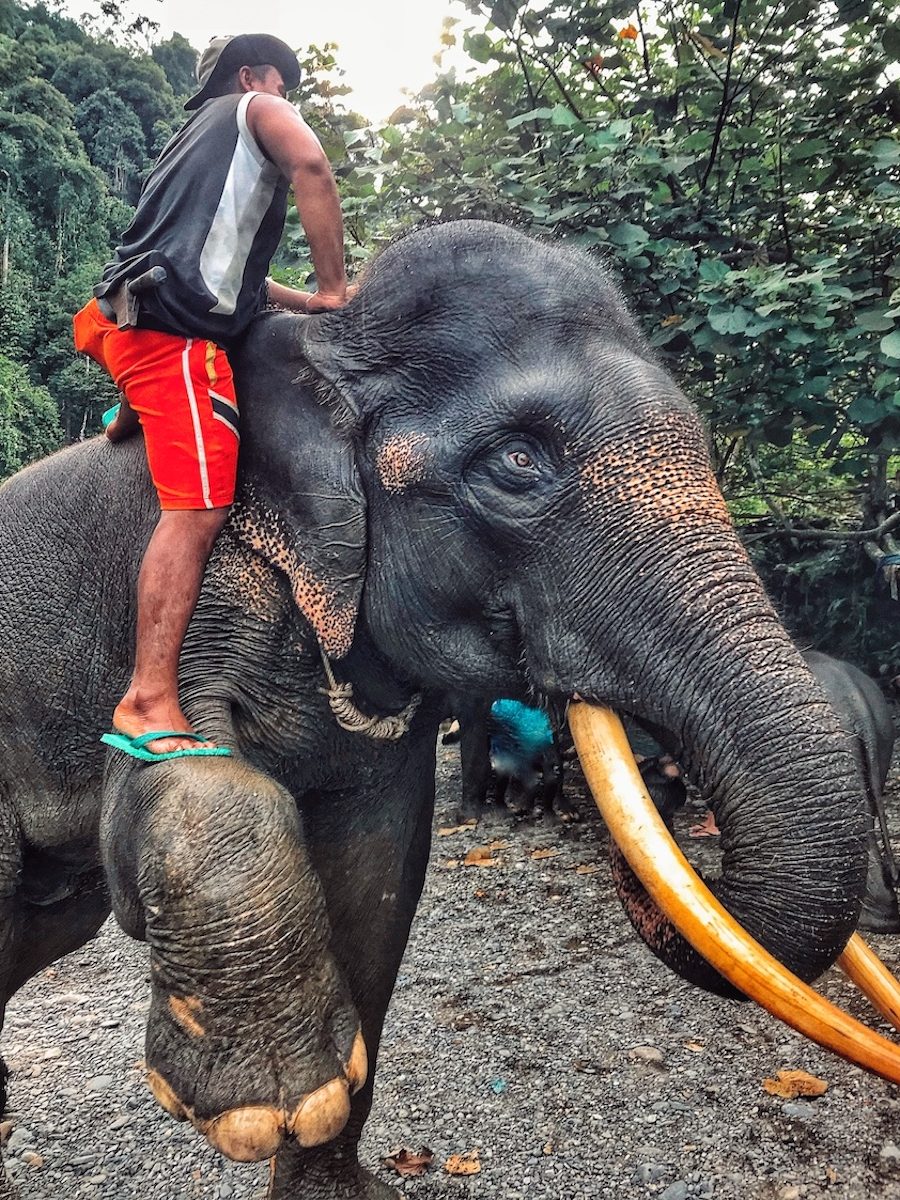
{"points": [[527, 1023]]}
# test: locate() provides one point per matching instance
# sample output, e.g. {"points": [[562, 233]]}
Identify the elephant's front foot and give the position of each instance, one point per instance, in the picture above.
{"points": [[331, 1174], [252, 1035], [248, 1081]]}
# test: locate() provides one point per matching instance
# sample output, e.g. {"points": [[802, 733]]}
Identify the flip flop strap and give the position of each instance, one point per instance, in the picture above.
{"points": [[158, 735]]}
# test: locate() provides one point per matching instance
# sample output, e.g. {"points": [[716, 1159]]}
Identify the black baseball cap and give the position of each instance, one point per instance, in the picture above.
{"points": [[224, 55]]}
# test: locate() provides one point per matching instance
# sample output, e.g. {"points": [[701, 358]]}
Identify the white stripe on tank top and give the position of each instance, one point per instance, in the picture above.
{"points": [[246, 196]]}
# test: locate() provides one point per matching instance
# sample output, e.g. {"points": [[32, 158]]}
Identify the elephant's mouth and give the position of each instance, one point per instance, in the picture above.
{"points": [[685, 900]]}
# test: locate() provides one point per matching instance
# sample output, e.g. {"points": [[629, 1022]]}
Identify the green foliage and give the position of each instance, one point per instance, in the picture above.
{"points": [[178, 59], [29, 423], [81, 120]]}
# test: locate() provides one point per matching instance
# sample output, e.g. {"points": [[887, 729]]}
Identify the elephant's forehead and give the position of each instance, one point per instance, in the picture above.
{"points": [[660, 477], [401, 460]]}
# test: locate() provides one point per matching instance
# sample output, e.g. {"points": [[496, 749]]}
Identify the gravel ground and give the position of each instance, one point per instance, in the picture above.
{"points": [[528, 1023]]}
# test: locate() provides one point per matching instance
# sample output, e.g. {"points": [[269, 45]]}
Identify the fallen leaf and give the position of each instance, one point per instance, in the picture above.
{"points": [[666, 322], [695, 1047], [501, 845], [449, 830], [6, 1128], [463, 1164], [548, 1147], [537, 854], [831, 1175], [791, 1084], [706, 828], [630, 33], [451, 864], [480, 894], [408, 1162], [481, 856], [587, 869]]}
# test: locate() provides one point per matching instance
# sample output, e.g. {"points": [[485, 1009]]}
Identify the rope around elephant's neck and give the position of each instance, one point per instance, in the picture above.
{"points": [[340, 700]]}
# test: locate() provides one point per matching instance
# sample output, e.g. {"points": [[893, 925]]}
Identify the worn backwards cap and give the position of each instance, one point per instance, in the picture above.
{"points": [[225, 55]]}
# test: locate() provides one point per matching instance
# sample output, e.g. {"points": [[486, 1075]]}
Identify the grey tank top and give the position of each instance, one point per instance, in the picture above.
{"points": [[211, 212]]}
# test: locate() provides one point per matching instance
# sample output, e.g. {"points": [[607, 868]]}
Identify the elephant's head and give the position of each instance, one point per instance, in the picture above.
{"points": [[507, 491]]}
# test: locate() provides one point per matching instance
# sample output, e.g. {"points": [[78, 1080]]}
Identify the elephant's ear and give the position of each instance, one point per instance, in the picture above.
{"points": [[300, 501]]}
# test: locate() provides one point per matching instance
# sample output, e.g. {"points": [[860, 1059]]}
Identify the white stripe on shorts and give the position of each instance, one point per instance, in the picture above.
{"points": [[195, 417]]}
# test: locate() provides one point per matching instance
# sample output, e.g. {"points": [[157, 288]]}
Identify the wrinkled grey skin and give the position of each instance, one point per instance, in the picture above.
{"points": [[478, 475]]}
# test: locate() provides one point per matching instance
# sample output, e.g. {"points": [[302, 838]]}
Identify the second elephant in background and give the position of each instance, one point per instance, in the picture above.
{"points": [[866, 716]]}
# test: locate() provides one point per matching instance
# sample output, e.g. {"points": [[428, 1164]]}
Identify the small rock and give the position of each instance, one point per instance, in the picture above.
{"points": [[675, 1191], [6, 1128], [799, 1111], [100, 1083], [889, 1150], [647, 1054], [120, 1121], [791, 1192], [650, 1172], [19, 1139], [225, 1190]]}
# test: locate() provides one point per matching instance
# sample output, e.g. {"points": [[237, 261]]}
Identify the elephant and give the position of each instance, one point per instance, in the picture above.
{"points": [[476, 478]]}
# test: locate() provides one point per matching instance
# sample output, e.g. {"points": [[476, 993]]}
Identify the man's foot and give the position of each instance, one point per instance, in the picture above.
{"points": [[135, 716]]}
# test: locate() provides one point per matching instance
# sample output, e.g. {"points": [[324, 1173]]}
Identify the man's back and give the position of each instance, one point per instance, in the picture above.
{"points": [[211, 213]]}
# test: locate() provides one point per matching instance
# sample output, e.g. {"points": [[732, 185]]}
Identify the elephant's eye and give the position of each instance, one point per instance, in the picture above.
{"points": [[521, 459]]}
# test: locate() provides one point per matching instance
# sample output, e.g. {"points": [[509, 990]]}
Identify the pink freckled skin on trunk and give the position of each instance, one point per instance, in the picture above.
{"points": [[674, 486]]}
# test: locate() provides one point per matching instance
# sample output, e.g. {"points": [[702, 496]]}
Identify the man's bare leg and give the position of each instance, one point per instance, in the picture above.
{"points": [[168, 587]]}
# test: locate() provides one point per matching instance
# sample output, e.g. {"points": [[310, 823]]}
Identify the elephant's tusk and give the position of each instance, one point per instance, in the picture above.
{"points": [[669, 878], [860, 963]]}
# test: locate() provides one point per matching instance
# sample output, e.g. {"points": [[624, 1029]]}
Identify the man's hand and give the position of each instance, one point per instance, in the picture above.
{"points": [[325, 301], [308, 302]]}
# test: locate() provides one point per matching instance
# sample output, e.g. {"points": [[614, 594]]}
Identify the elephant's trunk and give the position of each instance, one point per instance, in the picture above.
{"points": [[781, 779], [693, 909]]}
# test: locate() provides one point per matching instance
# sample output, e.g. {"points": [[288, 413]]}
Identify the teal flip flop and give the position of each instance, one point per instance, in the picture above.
{"points": [[137, 747], [110, 415]]}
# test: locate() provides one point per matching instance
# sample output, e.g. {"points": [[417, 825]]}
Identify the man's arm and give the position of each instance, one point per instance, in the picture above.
{"points": [[296, 151]]}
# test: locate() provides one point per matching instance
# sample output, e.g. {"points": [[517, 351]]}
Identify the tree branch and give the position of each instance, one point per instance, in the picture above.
{"points": [[830, 535], [726, 100]]}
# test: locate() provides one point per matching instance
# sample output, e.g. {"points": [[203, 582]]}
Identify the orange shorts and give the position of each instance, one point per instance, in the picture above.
{"points": [[183, 392]]}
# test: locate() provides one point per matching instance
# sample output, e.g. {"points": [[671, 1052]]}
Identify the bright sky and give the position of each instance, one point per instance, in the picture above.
{"points": [[384, 45]]}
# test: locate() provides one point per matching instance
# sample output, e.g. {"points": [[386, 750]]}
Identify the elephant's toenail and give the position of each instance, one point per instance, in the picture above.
{"points": [[358, 1065], [165, 1095], [246, 1134], [322, 1115]]}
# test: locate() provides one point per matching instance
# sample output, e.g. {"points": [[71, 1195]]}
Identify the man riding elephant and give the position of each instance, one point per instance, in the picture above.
{"points": [[208, 221], [459, 483]]}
